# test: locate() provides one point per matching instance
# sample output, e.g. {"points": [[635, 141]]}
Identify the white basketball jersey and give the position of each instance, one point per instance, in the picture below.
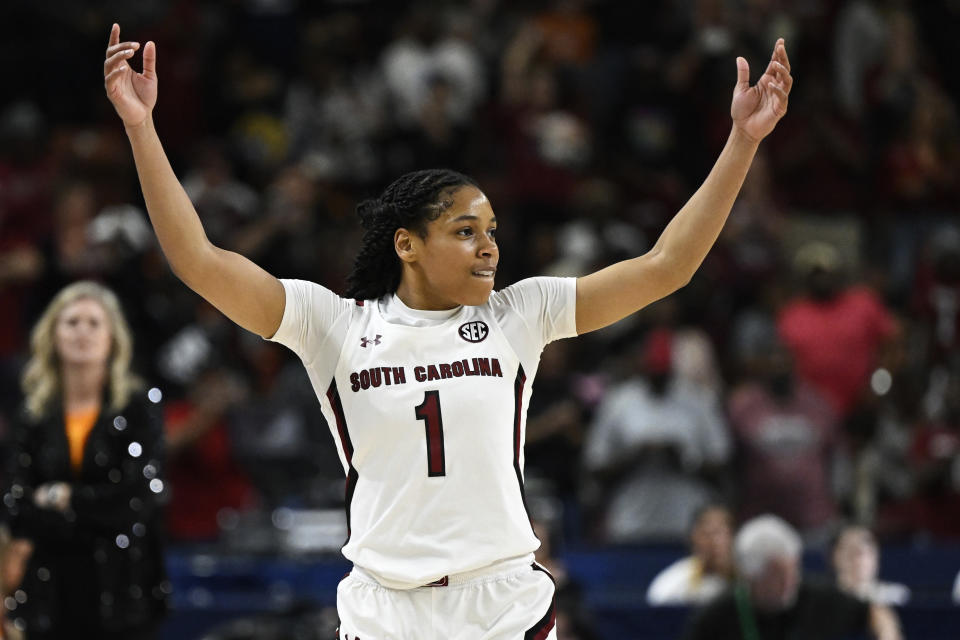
{"points": [[429, 423]]}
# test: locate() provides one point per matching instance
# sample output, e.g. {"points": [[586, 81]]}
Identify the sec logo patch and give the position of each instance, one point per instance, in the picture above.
{"points": [[474, 331]]}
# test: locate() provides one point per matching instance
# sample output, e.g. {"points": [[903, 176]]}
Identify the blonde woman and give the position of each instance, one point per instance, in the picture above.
{"points": [[85, 485]]}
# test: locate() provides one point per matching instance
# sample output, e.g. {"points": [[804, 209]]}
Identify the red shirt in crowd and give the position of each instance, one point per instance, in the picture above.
{"points": [[835, 343], [204, 479]]}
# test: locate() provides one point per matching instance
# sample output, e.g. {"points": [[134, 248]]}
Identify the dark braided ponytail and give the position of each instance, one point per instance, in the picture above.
{"points": [[411, 202]]}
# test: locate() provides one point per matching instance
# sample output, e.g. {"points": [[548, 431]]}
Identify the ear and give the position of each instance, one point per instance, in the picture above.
{"points": [[405, 245]]}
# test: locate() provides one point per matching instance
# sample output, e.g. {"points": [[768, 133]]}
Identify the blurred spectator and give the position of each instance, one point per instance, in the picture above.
{"points": [[285, 232], [544, 141], [707, 571], [934, 457], [836, 333], [695, 365], [336, 109], [922, 162], [823, 158], [654, 444], [595, 235], [85, 484], [569, 32], [91, 241], [555, 423], [429, 46], [936, 295], [436, 139], [223, 202], [26, 173], [855, 559], [786, 435], [279, 435], [916, 120], [859, 41], [772, 601], [749, 249], [250, 89], [13, 562], [573, 620], [206, 483], [70, 254]]}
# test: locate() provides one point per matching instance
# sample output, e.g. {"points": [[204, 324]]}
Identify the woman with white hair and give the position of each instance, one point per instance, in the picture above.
{"points": [[85, 486], [771, 601]]}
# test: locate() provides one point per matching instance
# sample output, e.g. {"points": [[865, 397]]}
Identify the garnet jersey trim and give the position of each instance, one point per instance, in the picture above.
{"points": [[541, 629], [347, 445], [518, 434]]}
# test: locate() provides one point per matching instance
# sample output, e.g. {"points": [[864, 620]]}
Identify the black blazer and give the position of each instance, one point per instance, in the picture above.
{"points": [[101, 559]]}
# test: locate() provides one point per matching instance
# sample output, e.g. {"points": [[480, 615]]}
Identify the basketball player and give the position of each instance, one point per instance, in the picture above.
{"points": [[424, 372]]}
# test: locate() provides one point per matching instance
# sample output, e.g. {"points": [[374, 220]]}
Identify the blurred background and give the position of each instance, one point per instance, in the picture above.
{"points": [[834, 290]]}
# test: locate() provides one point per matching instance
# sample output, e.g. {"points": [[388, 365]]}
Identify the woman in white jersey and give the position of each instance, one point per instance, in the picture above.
{"points": [[424, 373]]}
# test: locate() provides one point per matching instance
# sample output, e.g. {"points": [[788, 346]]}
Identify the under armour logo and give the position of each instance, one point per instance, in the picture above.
{"points": [[365, 341]]}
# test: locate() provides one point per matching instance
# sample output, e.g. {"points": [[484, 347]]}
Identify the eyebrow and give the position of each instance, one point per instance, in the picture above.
{"points": [[470, 216]]}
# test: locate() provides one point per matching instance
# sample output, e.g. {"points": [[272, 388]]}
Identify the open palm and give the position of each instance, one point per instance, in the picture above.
{"points": [[133, 94], [756, 110]]}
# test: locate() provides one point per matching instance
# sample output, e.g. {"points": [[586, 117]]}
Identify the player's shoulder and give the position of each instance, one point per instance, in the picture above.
{"points": [[531, 290], [313, 294]]}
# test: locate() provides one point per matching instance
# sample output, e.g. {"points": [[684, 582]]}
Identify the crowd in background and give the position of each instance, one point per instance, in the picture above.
{"points": [[811, 369]]}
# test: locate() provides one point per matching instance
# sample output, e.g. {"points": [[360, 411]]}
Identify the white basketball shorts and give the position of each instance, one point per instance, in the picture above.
{"points": [[514, 600]]}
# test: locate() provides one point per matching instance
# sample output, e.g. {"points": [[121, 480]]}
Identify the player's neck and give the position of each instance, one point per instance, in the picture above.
{"points": [[417, 297]]}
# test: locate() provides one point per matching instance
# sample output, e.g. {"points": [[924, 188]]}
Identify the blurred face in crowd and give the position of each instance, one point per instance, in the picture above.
{"points": [[82, 334], [775, 588], [712, 540], [823, 283], [855, 560], [655, 360], [779, 372]]}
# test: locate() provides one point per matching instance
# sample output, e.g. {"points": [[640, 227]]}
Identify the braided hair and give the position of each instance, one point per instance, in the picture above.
{"points": [[412, 201]]}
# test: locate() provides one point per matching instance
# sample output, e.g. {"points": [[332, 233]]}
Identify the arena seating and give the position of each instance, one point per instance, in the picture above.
{"points": [[211, 589]]}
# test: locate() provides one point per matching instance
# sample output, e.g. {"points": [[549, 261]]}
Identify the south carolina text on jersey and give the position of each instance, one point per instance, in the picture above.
{"points": [[377, 376]]}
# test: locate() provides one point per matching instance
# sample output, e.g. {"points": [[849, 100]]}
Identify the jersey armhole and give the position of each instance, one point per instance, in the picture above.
{"points": [[356, 310]]}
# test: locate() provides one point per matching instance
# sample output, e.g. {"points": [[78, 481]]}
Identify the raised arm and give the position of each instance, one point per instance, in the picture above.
{"points": [[240, 289], [623, 288]]}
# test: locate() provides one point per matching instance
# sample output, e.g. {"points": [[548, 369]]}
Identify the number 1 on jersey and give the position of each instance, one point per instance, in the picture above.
{"points": [[429, 412]]}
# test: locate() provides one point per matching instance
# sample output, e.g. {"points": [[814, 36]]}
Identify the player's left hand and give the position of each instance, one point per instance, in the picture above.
{"points": [[756, 110]]}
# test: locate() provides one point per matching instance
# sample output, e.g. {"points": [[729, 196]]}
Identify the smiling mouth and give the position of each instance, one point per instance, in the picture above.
{"points": [[485, 273]]}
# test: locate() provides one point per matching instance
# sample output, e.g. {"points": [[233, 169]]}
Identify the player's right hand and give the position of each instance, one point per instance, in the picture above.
{"points": [[133, 94]]}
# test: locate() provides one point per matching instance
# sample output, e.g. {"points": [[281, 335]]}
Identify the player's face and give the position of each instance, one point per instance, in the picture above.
{"points": [[82, 334], [459, 255]]}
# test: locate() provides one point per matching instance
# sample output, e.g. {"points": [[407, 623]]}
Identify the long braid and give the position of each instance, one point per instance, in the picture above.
{"points": [[410, 202]]}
